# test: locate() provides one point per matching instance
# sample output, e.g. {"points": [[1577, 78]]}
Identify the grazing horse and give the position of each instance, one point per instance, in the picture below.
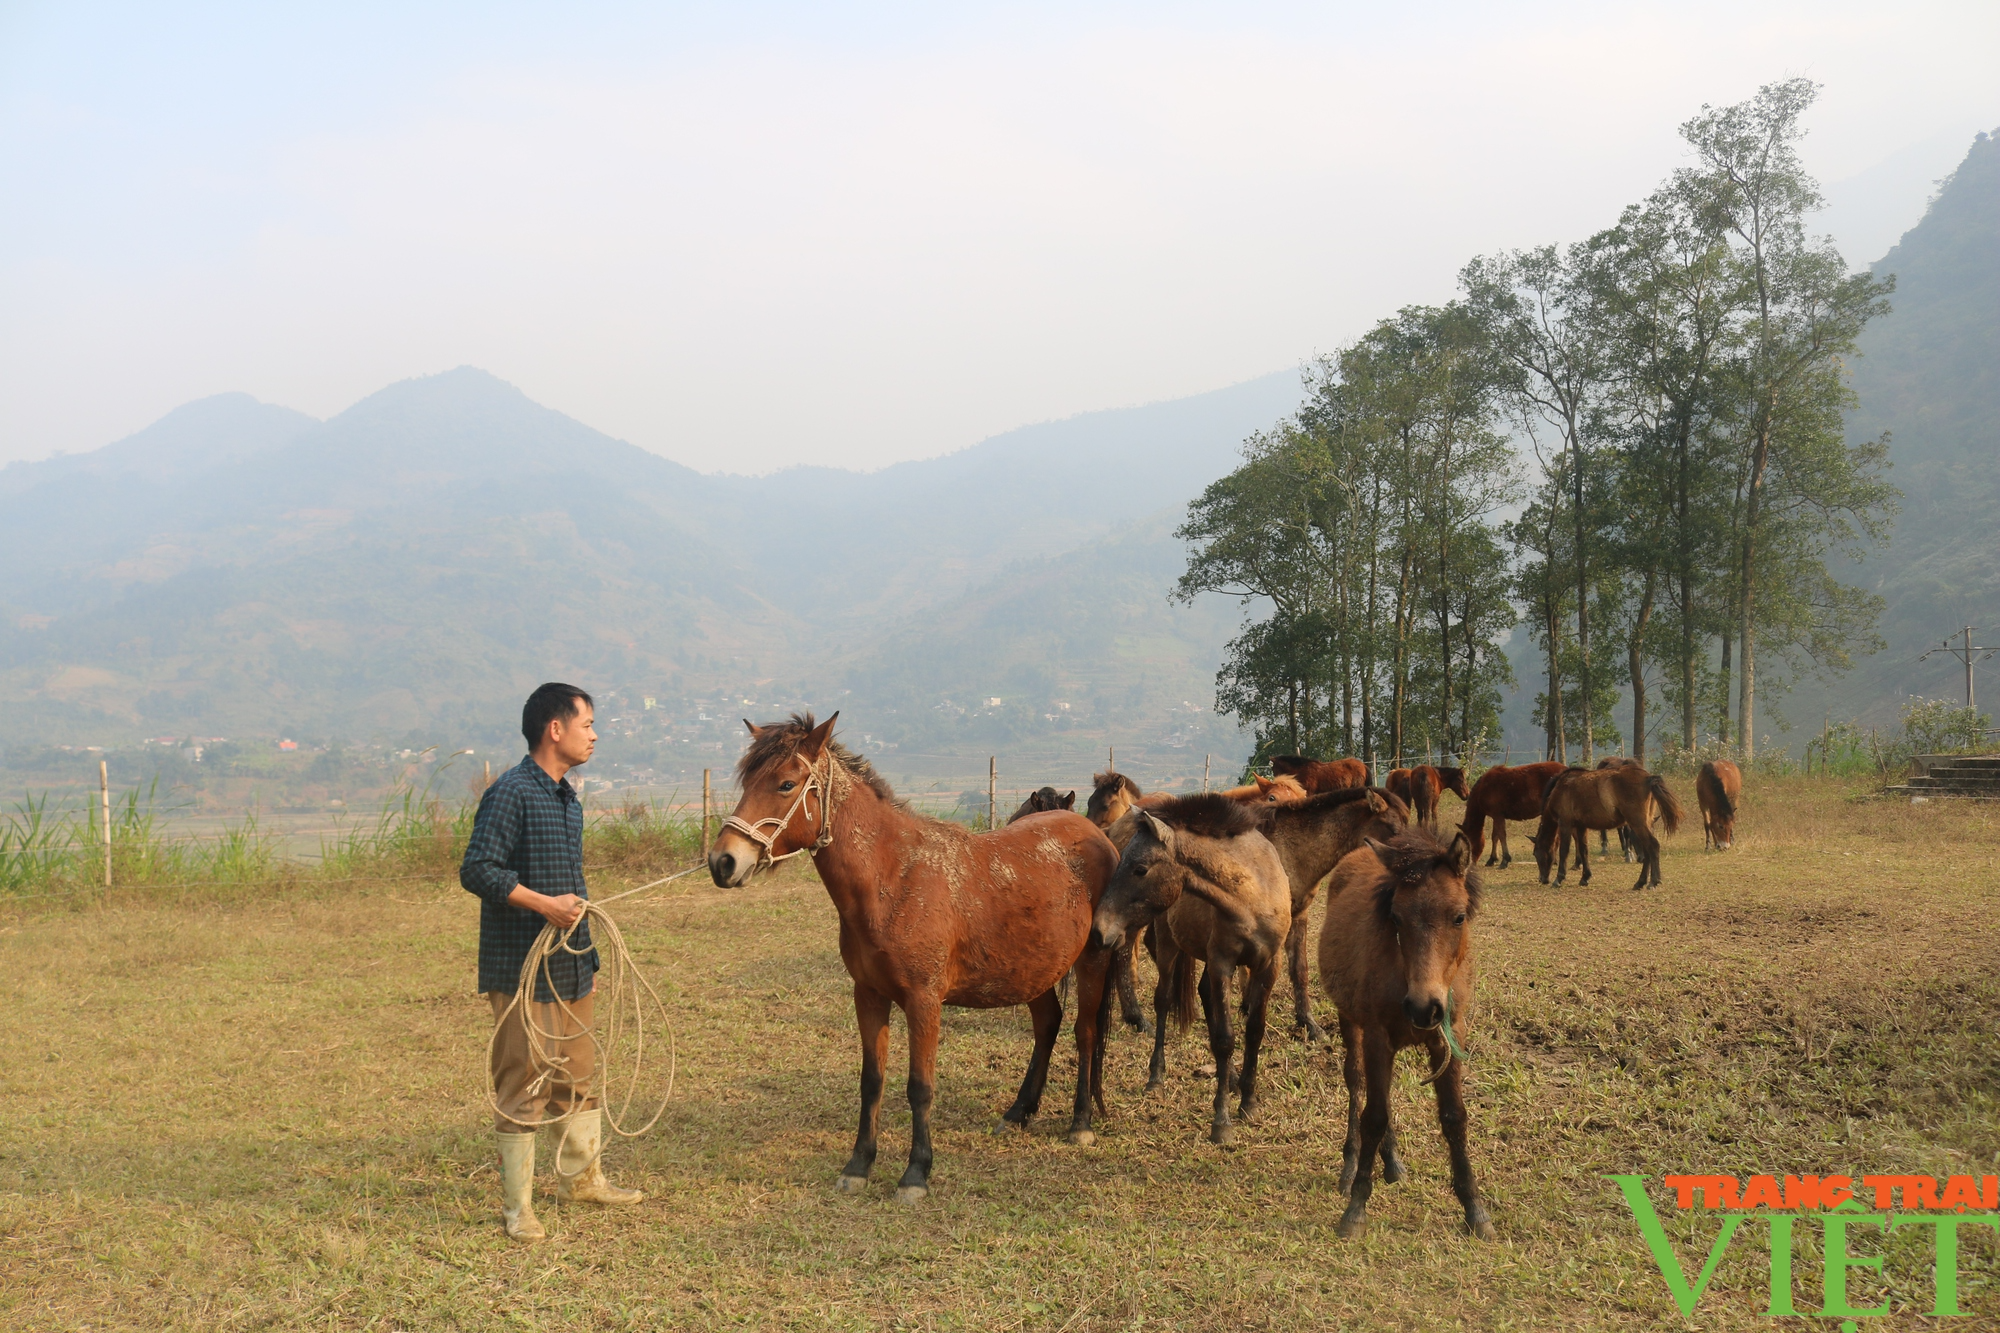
{"points": [[1041, 801], [1717, 787], [930, 914], [1580, 799], [1501, 794], [1318, 775], [1267, 791], [1395, 953], [1200, 867], [1311, 837]]}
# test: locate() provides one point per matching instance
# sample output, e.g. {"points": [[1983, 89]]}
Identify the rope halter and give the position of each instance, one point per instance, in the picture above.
{"points": [[765, 832]]}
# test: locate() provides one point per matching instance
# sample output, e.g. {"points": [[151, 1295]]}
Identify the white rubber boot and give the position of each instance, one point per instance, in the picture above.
{"points": [[580, 1166], [517, 1187]]}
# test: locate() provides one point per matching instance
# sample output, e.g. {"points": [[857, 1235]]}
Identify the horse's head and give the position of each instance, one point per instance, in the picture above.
{"points": [[1146, 883], [785, 774], [1386, 815], [1280, 790], [1112, 794], [1041, 801], [1453, 780], [1428, 897], [1545, 847]]}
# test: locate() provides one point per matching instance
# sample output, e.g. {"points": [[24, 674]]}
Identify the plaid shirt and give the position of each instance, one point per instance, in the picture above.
{"points": [[529, 830]]}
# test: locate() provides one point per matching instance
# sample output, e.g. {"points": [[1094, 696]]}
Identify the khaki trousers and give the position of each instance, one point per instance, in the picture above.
{"points": [[524, 1096]]}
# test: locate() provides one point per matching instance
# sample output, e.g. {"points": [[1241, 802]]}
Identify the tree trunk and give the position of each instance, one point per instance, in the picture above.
{"points": [[1746, 631], [1635, 659], [1582, 603]]}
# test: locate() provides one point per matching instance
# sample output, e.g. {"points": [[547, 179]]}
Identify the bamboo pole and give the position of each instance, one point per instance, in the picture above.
{"points": [[704, 814], [992, 791], [104, 797]]}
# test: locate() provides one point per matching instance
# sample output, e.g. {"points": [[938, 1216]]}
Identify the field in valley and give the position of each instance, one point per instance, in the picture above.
{"points": [[259, 1107]]}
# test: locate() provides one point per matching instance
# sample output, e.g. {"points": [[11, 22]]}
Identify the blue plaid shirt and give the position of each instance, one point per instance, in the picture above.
{"points": [[529, 830]]}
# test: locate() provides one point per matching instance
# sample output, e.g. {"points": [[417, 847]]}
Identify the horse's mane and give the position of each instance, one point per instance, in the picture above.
{"points": [[1111, 780], [1291, 763], [1413, 855], [1208, 815], [781, 740]]}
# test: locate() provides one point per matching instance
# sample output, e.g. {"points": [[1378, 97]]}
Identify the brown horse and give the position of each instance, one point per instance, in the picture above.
{"points": [[1419, 787], [1041, 801], [1501, 794], [1311, 837], [1201, 868], [1395, 953], [930, 914], [1717, 788], [1580, 799], [1318, 775]]}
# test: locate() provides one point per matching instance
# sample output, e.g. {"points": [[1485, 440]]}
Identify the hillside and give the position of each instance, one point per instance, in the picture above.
{"points": [[408, 568], [1930, 376]]}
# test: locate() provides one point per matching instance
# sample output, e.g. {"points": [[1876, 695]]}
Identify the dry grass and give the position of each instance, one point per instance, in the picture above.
{"points": [[263, 1112]]}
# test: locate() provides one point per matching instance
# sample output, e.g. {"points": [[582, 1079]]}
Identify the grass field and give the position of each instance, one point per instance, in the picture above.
{"points": [[262, 1110]]}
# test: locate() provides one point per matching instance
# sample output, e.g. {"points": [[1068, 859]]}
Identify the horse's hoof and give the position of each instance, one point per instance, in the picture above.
{"points": [[912, 1193], [1478, 1223], [851, 1184], [1221, 1135], [1352, 1223], [1392, 1171], [1155, 1084], [1204, 1071], [1006, 1127], [1082, 1138]]}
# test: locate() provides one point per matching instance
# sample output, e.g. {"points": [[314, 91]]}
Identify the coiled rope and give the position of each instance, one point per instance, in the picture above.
{"points": [[619, 981]]}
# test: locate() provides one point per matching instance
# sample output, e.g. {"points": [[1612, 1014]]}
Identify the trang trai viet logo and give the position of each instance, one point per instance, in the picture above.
{"points": [[1833, 1205]]}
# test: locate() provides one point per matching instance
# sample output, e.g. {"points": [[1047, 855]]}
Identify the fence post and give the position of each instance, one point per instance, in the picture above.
{"points": [[992, 791], [104, 798], [704, 814], [1204, 773], [1111, 757]]}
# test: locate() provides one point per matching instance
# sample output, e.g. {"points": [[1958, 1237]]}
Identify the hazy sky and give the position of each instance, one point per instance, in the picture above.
{"points": [[747, 235]]}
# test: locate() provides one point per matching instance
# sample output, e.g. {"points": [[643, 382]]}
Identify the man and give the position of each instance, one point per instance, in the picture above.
{"points": [[525, 862]]}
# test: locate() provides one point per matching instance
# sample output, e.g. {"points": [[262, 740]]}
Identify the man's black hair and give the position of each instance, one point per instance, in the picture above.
{"points": [[547, 704]]}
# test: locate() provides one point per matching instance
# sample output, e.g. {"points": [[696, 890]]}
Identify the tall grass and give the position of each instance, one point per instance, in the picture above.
{"points": [[45, 847]]}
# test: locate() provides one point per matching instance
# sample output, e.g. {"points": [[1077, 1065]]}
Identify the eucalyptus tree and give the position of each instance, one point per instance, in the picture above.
{"points": [[1538, 308], [1803, 313]]}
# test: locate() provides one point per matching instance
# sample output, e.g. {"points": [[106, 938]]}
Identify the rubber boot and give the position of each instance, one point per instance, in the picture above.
{"points": [[580, 1164], [517, 1187]]}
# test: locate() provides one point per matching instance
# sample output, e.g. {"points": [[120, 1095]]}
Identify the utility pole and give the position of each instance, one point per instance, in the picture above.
{"points": [[1964, 651], [1204, 772], [992, 792]]}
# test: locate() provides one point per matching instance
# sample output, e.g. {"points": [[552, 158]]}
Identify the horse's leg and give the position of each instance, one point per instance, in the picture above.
{"points": [[1215, 981], [1380, 1060], [1165, 952], [1450, 1087], [1649, 860], [871, 1014], [1257, 991], [1093, 1008], [1583, 856], [1562, 854], [1302, 1000], [922, 1014], [1125, 967], [1500, 841], [1350, 1073], [1046, 1011]]}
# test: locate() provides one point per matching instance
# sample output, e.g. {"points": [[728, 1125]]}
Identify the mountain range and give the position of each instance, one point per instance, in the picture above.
{"points": [[406, 570]]}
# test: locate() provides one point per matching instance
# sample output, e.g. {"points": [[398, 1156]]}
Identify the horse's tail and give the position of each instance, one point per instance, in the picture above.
{"points": [[1670, 809], [1183, 995]]}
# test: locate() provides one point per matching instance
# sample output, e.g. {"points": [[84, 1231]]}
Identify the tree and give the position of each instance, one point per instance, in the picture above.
{"points": [[1805, 312]]}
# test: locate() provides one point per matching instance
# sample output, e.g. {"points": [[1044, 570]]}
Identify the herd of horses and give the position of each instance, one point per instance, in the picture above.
{"points": [[1213, 885]]}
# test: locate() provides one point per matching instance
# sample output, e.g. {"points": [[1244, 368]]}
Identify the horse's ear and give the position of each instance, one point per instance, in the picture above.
{"points": [[1069, 801], [755, 730], [1381, 851], [1161, 830], [1376, 803], [817, 741], [1459, 855]]}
